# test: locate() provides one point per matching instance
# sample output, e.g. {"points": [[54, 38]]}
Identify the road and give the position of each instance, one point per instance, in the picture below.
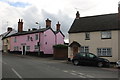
{"points": [[18, 66]]}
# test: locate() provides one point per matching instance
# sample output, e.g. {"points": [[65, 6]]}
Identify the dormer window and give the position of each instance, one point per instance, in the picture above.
{"points": [[106, 35]]}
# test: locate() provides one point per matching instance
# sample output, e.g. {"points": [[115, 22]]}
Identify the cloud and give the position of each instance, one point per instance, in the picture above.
{"points": [[19, 4], [64, 19], [16, 4], [56, 10], [34, 15]]}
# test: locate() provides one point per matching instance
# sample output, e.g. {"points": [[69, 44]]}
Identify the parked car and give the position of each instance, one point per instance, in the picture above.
{"points": [[118, 64], [89, 59]]}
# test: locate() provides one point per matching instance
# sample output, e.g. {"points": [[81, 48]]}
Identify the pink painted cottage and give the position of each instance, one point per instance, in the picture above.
{"points": [[39, 41]]}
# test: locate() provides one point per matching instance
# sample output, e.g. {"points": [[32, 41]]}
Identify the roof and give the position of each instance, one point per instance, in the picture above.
{"points": [[74, 43], [29, 32], [95, 23], [34, 31], [12, 32], [9, 33], [60, 32], [5, 34]]}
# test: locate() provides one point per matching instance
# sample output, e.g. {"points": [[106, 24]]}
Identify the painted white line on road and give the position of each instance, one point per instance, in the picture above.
{"points": [[17, 73], [73, 73], [81, 73], [65, 71], [89, 76]]}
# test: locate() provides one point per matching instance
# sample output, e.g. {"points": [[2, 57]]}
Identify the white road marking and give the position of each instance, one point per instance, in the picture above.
{"points": [[89, 76], [17, 73], [65, 71], [81, 73], [73, 73]]}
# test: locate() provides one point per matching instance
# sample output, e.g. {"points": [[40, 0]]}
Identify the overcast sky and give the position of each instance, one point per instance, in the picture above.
{"points": [[56, 10]]}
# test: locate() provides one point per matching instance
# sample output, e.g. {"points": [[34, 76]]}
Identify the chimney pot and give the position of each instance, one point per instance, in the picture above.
{"points": [[19, 20], [57, 26], [77, 15], [9, 29]]}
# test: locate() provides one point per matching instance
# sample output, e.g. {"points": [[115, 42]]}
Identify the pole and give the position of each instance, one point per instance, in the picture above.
{"points": [[39, 42], [38, 39]]}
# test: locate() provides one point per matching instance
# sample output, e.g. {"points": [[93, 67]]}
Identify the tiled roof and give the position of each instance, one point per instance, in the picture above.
{"points": [[95, 23], [29, 32], [58, 32]]}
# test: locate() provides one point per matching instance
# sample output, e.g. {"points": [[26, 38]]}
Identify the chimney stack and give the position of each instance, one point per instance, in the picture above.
{"points": [[9, 29], [57, 26], [48, 23], [77, 15], [20, 25]]}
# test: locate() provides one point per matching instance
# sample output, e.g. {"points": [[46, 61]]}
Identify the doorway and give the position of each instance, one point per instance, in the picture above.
{"points": [[75, 50], [23, 52]]}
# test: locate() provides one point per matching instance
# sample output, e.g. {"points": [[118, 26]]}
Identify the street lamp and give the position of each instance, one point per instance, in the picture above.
{"points": [[39, 39]]}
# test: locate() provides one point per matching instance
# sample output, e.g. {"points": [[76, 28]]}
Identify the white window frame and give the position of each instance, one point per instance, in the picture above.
{"points": [[84, 49], [27, 48], [106, 35], [104, 52]]}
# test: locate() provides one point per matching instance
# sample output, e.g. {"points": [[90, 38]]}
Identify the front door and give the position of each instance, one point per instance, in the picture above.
{"points": [[23, 50], [75, 50]]}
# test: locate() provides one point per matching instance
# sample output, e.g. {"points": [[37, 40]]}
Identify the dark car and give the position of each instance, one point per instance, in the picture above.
{"points": [[90, 59], [118, 64]]}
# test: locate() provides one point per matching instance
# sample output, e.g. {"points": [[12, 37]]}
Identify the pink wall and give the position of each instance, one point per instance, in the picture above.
{"points": [[47, 40], [60, 38], [23, 39]]}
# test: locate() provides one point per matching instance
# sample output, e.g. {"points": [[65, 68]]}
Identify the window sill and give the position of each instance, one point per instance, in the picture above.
{"points": [[87, 39], [105, 38], [104, 56]]}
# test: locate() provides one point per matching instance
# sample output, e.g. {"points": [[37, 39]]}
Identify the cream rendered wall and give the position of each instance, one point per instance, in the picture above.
{"points": [[119, 45], [96, 42]]}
